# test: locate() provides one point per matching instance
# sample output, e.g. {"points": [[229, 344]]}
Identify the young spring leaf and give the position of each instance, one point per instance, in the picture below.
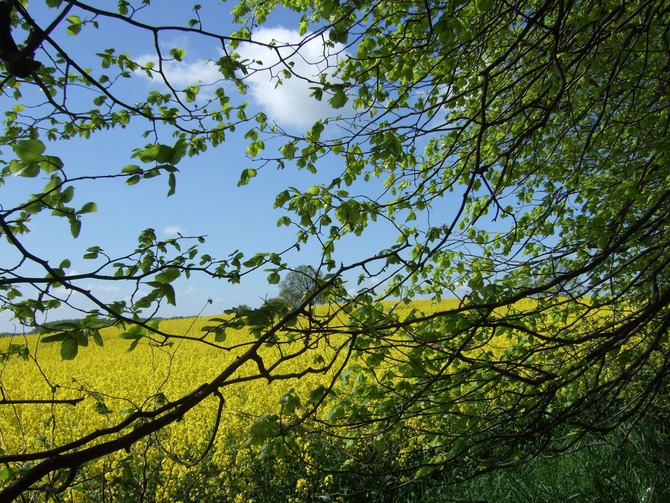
{"points": [[69, 348]]}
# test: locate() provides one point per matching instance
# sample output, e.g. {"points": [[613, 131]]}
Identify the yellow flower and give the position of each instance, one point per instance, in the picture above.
{"points": [[302, 486]]}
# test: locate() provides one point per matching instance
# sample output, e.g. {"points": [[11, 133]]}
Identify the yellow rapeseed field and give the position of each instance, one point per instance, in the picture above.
{"points": [[168, 466], [114, 382]]}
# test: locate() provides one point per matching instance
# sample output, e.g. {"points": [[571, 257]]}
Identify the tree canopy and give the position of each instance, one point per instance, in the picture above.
{"points": [[300, 284], [514, 155]]}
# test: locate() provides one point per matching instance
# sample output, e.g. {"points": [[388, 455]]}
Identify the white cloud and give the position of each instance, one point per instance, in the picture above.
{"points": [[59, 291], [375, 280], [189, 291], [173, 230], [181, 74], [289, 103]]}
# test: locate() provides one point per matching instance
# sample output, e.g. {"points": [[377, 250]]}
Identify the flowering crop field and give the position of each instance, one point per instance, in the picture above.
{"points": [[206, 456], [115, 382]]}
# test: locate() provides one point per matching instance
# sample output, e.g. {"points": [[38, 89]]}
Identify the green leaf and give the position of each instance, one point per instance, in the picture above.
{"points": [[191, 93], [89, 207], [172, 183], [6, 474], [75, 25], [303, 25], [132, 169], [282, 198], [265, 428], [50, 163], [29, 150], [484, 5], [316, 395], [132, 345], [177, 53], [101, 408], [283, 221], [246, 175], [29, 170], [75, 227], [289, 150], [136, 332], [338, 34], [167, 290], [69, 348], [338, 100], [81, 336], [168, 275], [290, 402], [92, 252], [337, 412], [179, 150], [156, 153], [134, 179], [67, 194], [55, 338], [97, 338], [423, 471]]}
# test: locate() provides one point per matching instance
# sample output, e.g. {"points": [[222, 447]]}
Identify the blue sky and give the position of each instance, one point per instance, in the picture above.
{"points": [[208, 201]]}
